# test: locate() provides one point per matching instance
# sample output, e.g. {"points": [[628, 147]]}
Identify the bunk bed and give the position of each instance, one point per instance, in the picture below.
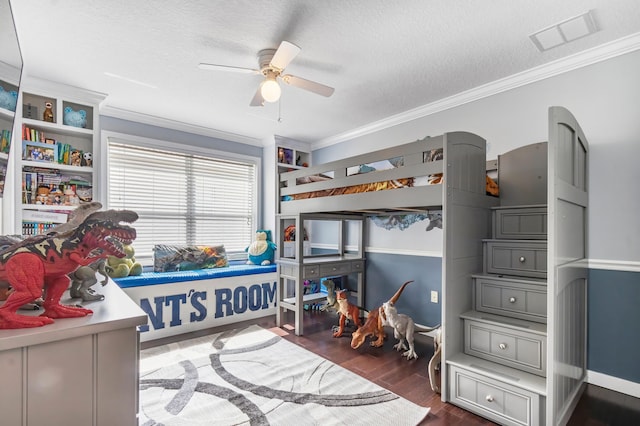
{"points": [[514, 332], [446, 172], [415, 178]]}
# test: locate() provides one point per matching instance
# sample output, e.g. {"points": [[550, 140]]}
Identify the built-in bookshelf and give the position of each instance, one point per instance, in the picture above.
{"points": [[289, 158], [55, 156]]}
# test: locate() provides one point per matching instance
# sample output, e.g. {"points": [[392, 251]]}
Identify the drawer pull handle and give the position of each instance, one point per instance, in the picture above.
{"points": [[502, 346], [512, 299], [489, 398], [522, 259]]}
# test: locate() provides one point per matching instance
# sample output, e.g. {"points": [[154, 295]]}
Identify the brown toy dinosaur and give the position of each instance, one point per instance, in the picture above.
{"points": [[374, 325], [347, 311]]}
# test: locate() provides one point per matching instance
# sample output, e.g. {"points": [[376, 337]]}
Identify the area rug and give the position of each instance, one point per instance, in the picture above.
{"points": [[252, 376]]}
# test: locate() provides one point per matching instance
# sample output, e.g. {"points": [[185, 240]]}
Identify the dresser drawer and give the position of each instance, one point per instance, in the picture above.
{"points": [[516, 299], [520, 223], [311, 271], [527, 259], [332, 269], [357, 266], [515, 348], [498, 401]]}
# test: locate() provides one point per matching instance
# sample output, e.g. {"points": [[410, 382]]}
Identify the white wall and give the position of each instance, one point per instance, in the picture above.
{"points": [[604, 98]]}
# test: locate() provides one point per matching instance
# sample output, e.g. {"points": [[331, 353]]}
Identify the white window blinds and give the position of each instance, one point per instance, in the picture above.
{"points": [[182, 198]]}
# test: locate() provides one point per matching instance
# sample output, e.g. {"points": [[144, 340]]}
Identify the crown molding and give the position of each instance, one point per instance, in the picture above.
{"points": [[588, 57], [31, 83], [166, 123]]}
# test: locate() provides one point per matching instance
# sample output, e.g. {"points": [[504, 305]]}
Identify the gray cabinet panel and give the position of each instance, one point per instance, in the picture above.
{"points": [[60, 381], [117, 367], [493, 399], [518, 258], [514, 298], [11, 368], [520, 223], [512, 347]]}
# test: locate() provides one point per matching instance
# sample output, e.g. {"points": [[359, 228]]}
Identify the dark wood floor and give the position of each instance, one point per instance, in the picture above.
{"points": [[409, 379]]}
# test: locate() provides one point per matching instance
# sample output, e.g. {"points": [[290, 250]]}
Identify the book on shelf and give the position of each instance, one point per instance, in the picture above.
{"points": [[35, 222], [5, 144], [43, 186], [38, 147]]}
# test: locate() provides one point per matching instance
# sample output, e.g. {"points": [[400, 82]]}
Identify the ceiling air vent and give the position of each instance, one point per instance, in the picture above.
{"points": [[564, 32]]}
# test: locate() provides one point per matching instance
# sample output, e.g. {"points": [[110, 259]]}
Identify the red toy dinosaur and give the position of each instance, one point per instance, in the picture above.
{"points": [[347, 311], [374, 325], [43, 262]]}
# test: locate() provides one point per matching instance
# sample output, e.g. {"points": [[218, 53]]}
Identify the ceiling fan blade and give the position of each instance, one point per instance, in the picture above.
{"points": [[257, 100], [309, 85], [214, 67], [284, 55]]}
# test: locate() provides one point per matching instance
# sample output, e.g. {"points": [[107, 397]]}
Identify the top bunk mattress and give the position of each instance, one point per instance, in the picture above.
{"points": [[402, 178]]}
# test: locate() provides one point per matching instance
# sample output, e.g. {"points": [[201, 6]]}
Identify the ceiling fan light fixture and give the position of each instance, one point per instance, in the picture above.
{"points": [[270, 90]]}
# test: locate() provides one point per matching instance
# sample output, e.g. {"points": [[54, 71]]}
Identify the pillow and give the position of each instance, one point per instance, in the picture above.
{"points": [[170, 258]]}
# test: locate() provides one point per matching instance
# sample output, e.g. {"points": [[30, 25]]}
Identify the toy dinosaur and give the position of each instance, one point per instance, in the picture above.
{"points": [[403, 329], [347, 311], [434, 363], [43, 262], [332, 302], [374, 325], [83, 278]]}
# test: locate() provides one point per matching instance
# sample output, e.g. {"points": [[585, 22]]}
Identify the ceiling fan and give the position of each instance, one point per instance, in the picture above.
{"points": [[272, 63]]}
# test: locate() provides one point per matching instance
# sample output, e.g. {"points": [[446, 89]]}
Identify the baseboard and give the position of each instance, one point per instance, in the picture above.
{"points": [[614, 383]]}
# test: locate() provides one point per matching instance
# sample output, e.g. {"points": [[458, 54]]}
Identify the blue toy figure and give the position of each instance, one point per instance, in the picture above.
{"points": [[74, 118], [8, 99], [262, 250]]}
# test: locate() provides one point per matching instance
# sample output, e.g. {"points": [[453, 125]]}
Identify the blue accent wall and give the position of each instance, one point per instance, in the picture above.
{"points": [[385, 273], [613, 312]]}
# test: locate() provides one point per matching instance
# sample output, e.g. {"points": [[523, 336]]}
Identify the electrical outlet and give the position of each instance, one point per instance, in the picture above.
{"points": [[434, 296]]}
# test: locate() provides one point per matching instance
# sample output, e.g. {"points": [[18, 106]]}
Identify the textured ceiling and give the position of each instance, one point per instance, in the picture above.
{"points": [[383, 57]]}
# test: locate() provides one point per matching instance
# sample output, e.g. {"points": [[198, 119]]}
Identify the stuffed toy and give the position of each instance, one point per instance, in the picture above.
{"points": [[74, 118], [8, 99], [262, 250], [124, 267]]}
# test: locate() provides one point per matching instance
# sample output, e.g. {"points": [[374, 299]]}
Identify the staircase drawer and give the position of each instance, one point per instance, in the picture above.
{"points": [[516, 348], [520, 223], [516, 299], [501, 402], [526, 259]]}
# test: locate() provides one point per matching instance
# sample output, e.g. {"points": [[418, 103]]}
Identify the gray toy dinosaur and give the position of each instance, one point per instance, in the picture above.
{"points": [[332, 302], [403, 329], [84, 277]]}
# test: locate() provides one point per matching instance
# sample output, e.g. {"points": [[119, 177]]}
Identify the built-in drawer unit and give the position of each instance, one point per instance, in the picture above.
{"points": [[507, 341], [520, 223], [494, 399], [336, 268], [517, 298], [519, 258]]}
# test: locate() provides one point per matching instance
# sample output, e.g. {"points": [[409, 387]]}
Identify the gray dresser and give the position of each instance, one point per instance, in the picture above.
{"points": [[501, 374]]}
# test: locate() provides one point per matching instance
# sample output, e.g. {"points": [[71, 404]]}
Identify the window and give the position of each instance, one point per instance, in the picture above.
{"points": [[182, 198]]}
